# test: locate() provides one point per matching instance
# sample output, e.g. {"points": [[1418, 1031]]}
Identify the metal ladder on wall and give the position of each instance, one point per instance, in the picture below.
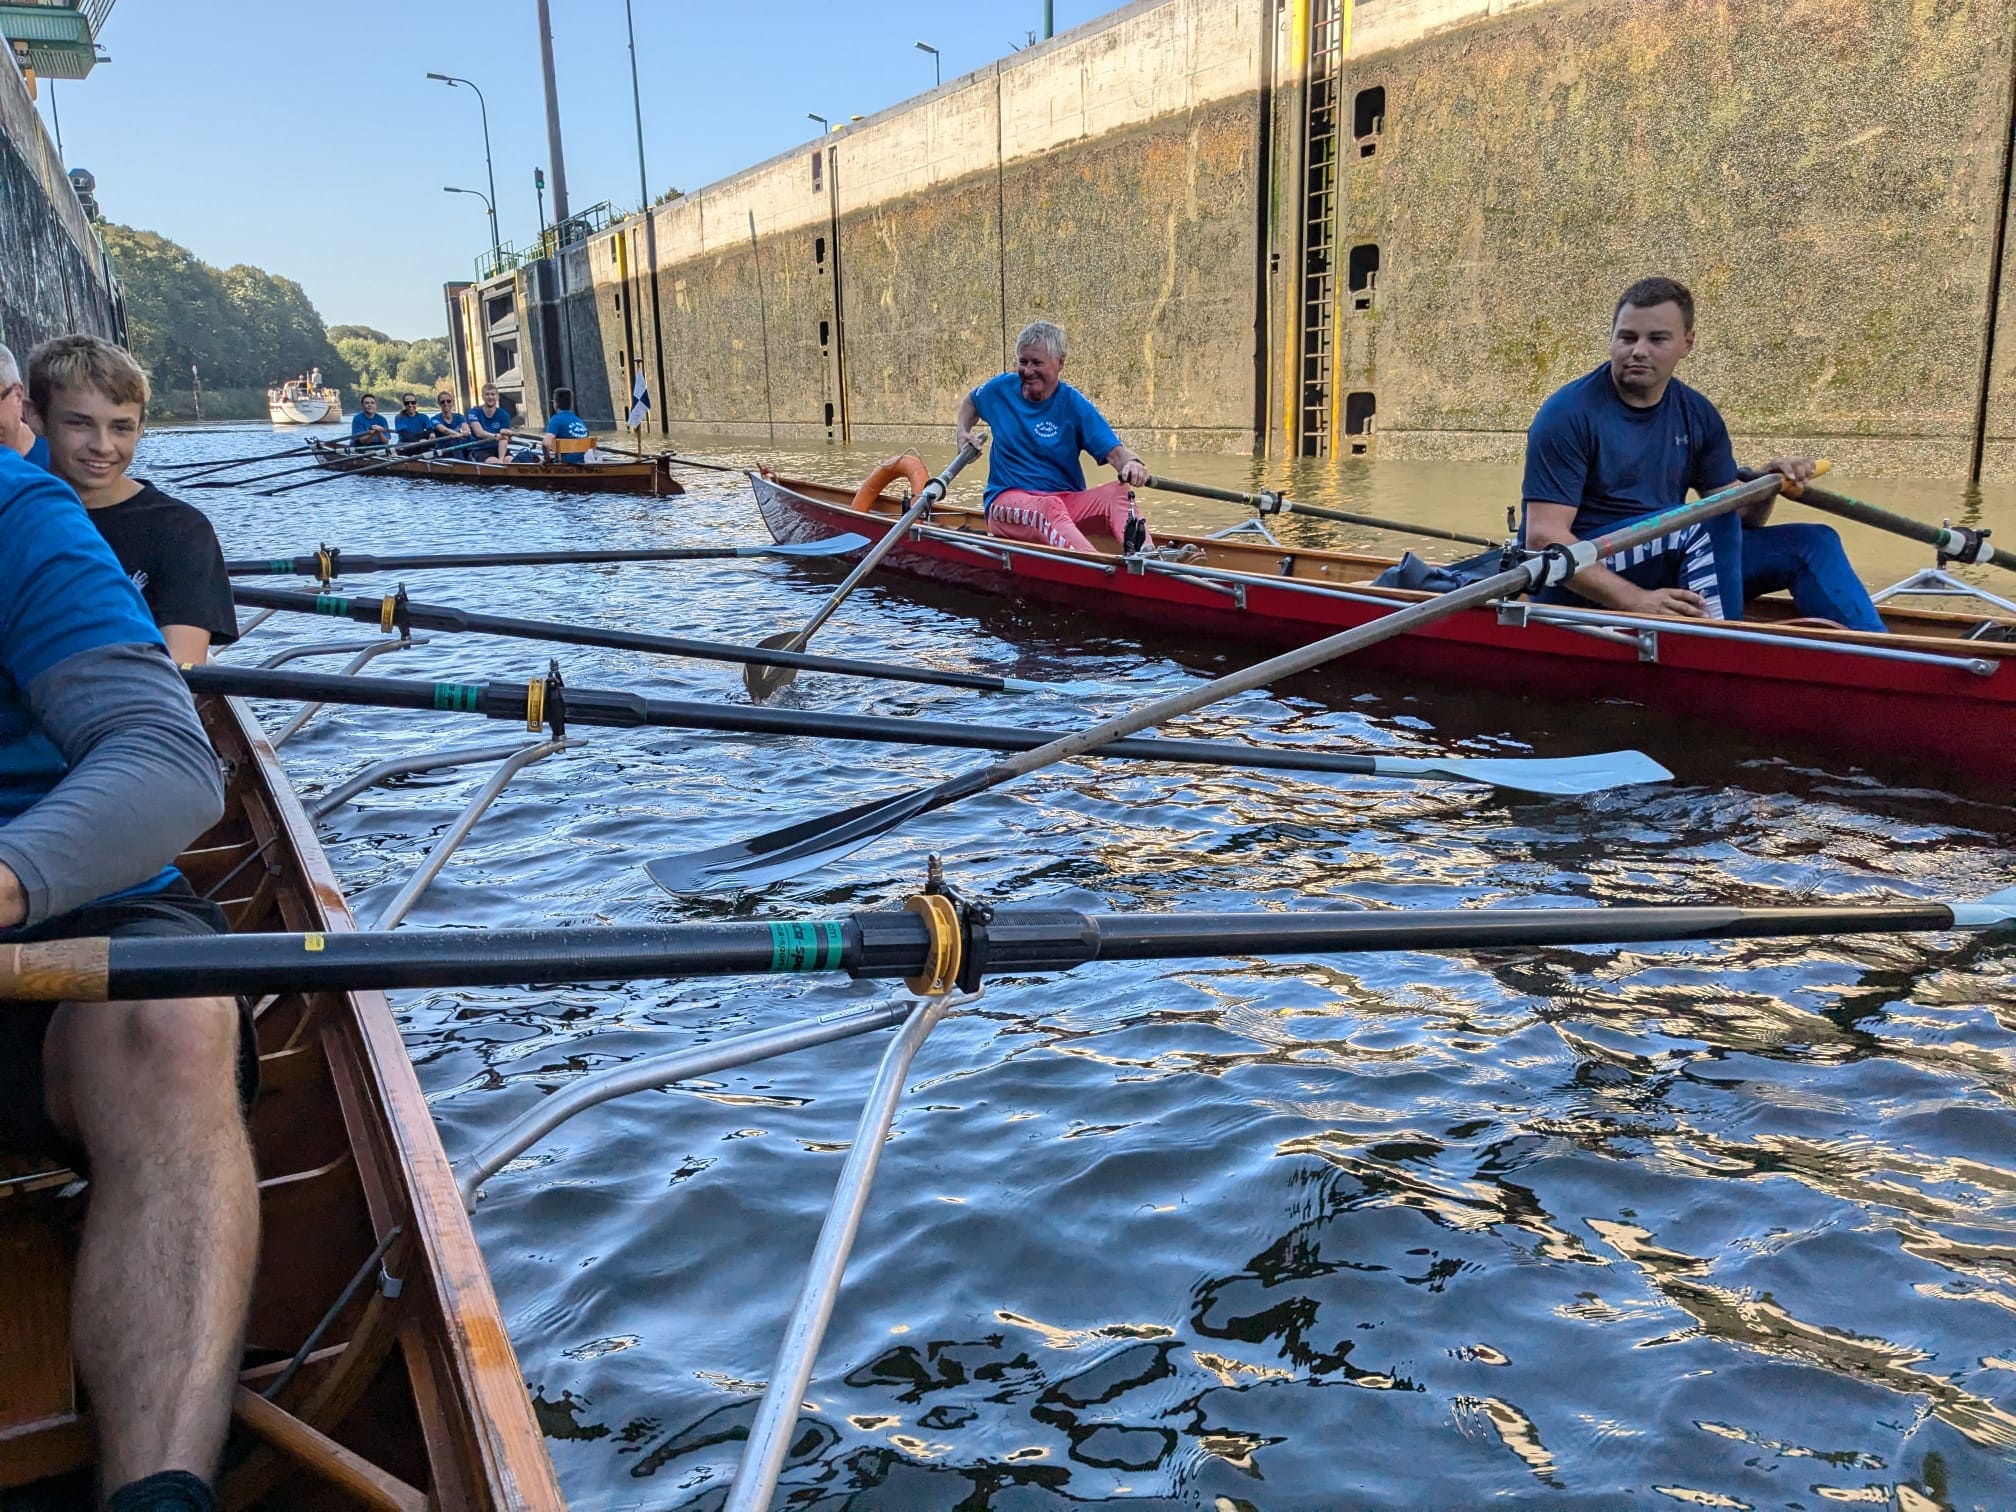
{"points": [[1319, 225]]}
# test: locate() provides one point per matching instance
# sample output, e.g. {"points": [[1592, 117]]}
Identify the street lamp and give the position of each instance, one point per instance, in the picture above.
{"points": [[824, 124], [496, 255], [496, 246], [937, 69]]}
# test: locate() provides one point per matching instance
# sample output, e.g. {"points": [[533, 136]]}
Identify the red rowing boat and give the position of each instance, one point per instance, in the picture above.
{"points": [[1933, 689]]}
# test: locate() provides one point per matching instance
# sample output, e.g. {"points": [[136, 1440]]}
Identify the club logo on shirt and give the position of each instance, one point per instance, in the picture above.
{"points": [[1047, 430], [140, 580]]}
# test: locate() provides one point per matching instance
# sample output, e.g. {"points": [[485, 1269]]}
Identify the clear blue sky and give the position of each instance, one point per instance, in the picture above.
{"points": [[306, 140]]}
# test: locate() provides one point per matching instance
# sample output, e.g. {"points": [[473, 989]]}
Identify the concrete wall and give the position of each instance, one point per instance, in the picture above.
{"points": [[54, 275], [1827, 174]]}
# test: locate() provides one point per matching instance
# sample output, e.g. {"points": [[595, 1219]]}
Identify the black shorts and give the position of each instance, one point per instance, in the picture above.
{"points": [[174, 910]]}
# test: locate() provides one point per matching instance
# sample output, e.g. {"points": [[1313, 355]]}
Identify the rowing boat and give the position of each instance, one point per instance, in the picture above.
{"points": [[649, 476], [403, 1396], [1935, 689]]}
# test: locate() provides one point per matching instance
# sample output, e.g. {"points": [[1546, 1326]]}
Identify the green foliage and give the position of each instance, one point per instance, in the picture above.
{"points": [[385, 366], [242, 327]]}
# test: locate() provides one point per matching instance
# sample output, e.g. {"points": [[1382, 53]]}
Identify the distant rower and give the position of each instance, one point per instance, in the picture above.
{"points": [[367, 426], [568, 438], [1035, 485], [1628, 440], [490, 421]]}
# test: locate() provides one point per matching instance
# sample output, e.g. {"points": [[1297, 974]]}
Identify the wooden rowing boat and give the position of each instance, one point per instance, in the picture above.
{"points": [[410, 1401], [1932, 692], [644, 476]]}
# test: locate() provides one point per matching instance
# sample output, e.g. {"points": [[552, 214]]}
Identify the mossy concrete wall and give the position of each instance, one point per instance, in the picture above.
{"points": [[54, 275], [1826, 174]]}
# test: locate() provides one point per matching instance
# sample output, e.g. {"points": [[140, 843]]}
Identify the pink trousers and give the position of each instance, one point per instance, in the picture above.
{"points": [[1053, 519]]}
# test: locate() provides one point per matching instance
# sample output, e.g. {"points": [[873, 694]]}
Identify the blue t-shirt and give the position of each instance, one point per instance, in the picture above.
{"points": [[414, 427], [449, 418], [567, 424], [361, 422], [494, 421], [61, 592], [1036, 446], [39, 453], [1587, 447]]}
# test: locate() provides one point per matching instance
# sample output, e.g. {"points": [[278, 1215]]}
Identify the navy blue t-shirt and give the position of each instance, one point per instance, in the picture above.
{"points": [[567, 425], [1036, 446], [414, 427], [495, 421], [361, 422], [1588, 448], [448, 418], [62, 592]]}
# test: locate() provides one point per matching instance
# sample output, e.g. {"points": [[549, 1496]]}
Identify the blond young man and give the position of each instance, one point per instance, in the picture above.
{"points": [[91, 397]]}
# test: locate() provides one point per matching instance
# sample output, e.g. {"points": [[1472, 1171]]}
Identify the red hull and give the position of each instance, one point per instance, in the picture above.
{"points": [[1828, 688]]}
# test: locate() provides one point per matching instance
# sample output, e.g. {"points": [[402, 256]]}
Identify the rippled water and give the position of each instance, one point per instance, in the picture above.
{"points": [[1713, 1225]]}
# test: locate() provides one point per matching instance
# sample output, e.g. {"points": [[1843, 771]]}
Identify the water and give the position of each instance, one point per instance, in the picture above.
{"points": [[1714, 1225]]}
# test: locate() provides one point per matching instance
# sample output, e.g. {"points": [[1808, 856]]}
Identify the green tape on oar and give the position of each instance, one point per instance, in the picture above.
{"points": [[332, 603], [280, 564], [806, 946], [457, 698]]}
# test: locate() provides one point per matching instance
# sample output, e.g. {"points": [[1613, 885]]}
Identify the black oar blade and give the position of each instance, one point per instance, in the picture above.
{"points": [[763, 681], [801, 847]]}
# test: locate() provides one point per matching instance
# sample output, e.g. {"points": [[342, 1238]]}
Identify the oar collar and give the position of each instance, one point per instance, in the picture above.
{"points": [[1963, 543]]}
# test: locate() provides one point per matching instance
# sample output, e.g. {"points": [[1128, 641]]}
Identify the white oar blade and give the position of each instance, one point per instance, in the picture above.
{"points": [[1995, 909], [1560, 777], [838, 545]]}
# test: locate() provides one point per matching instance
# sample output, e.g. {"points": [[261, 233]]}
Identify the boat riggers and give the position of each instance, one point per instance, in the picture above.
{"points": [[937, 941], [1267, 502]]}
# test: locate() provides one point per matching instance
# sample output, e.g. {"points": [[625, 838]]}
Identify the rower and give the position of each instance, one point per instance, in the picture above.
{"points": [[16, 434], [448, 424], [93, 397], [1035, 485], [1628, 439], [491, 421], [568, 438], [411, 426], [367, 426], [105, 775]]}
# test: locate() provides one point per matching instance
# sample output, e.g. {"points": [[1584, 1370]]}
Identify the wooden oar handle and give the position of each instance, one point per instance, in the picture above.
{"points": [[56, 971]]}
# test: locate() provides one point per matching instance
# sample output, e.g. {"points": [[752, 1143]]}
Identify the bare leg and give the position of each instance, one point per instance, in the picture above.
{"points": [[165, 1277]]}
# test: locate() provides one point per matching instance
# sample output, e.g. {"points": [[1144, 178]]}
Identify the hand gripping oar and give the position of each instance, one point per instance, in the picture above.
{"points": [[884, 945], [397, 612], [322, 452], [1954, 543], [557, 705], [1268, 502], [330, 561], [763, 681], [813, 842]]}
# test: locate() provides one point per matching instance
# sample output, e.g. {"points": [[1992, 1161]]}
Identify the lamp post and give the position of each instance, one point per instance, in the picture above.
{"points": [[496, 246], [824, 124], [937, 68], [496, 255], [539, 188]]}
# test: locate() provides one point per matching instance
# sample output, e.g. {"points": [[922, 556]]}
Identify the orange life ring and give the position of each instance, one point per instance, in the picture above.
{"points": [[906, 466]]}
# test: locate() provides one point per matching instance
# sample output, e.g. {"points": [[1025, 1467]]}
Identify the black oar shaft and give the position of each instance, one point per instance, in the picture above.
{"points": [[615, 709], [360, 562], [1954, 543], [371, 611], [1272, 503], [865, 945]]}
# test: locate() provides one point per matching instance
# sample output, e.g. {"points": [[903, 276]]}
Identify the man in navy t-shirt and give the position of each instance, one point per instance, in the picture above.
{"points": [[1035, 486], [1628, 440], [105, 774], [367, 426]]}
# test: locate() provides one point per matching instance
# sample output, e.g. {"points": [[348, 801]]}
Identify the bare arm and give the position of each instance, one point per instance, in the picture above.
{"points": [[1554, 524], [188, 645], [968, 418], [1133, 471]]}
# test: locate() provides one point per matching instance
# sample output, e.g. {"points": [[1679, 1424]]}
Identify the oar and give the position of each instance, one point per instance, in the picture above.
{"points": [[813, 842], [218, 464], [544, 702], [763, 681], [939, 945], [1958, 543], [330, 475], [1269, 502], [673, 460], [327, 563], [397, 612], [321, 452]]}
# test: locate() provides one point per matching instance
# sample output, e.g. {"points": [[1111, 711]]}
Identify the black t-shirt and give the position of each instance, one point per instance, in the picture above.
{"points": [[171, 552]]}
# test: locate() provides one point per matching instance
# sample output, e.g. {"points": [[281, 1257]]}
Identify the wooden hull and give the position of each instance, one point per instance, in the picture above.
{"points": [[1947, 702], [424, 1388], [653, 477]]}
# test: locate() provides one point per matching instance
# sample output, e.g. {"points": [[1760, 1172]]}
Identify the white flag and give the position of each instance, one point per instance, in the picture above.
{"points": [[640, 401]]}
